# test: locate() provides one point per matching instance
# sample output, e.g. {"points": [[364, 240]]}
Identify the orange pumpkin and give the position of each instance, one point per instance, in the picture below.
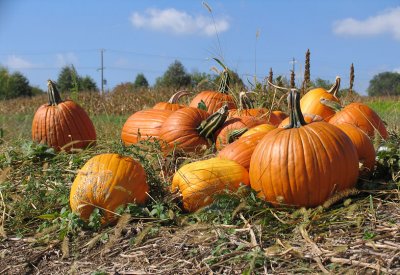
{"points": [[234, 128], [191, 129], [303, 164], [144, 124], [363, 144], [214, 100], [172, 103], [63, 125], [363, 117], [262, 128], [241, 150], [311, 101], [280, 115], [108, 181], [199, 181]]}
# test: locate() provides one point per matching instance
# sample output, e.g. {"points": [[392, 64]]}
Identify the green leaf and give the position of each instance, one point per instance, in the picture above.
{"points": [[202, 105], [48, 216]]}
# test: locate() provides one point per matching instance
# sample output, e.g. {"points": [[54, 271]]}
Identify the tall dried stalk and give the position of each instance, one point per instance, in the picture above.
{"points": [[351, 79], [307, 78]]}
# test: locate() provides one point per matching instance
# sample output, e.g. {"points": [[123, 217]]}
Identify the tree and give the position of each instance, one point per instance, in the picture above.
{"points": [[235, 82], [141, 81], [386, 83], [69, 80], [175, 77], [13, 85]]}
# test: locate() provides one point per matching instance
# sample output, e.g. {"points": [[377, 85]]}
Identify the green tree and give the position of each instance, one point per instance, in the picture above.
{"points": [[203, 81], [386, 83], [13, 85], [141, 81], [175, 77], [321, 83], [69, 80], [235, 81]]}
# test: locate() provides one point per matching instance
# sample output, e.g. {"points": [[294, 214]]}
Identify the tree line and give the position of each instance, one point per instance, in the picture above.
{"points": [[175, 77]]}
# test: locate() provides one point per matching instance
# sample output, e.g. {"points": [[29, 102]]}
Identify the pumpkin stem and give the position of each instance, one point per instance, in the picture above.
{"points": [[213, 122], [335, 87], [176, 96], [244, 101], [296, 118], [331, 104], [235, 134], [54, 95]]}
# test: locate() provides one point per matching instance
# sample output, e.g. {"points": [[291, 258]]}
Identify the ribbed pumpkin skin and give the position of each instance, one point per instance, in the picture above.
{"points": [[310, 103], [363, 144], [180, 129], [168, 106], [62, 124], [258, 129], [234, 123], [303, 166], [108, 181], [199, 181], [361, 116], [241, 150], [147, 122], [309, 118], [279, 114], [213, 100]]}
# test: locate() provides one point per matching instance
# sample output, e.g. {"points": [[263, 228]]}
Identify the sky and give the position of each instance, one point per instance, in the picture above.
{"points": [[39, 37]]}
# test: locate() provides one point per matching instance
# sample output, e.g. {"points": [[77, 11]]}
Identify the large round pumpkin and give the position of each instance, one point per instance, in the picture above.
{"points": [[144, 124], [199, 181], [63, 125], [363, 117], [191, 129], [363, 144], [108, 181], [310, 103], [303, 164], [258, 129]]}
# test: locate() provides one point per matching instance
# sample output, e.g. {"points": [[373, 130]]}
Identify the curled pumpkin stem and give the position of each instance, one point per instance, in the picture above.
{"points": [[244, 101], [53, 93], [335, 87], [208, 126], [176, 96]]}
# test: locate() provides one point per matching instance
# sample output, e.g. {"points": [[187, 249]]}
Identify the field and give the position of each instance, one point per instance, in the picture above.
{"points": [[353, 233]]}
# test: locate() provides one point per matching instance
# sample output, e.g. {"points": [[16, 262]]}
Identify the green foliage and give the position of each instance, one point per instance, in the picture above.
{"points": [[388, 158], [384, 84], [174, 77], [235, 81], [140, 81], [13, 85], [69, 80], [203, 81]]}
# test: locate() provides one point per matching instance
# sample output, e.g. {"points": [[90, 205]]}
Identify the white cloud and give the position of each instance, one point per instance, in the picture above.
{"points": [[397, 70], [386, 22], [16, 62], [178, 22], [66, 59]]}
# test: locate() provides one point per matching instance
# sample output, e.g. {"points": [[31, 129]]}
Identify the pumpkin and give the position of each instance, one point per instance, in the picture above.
{"points": [[241, 150], [191, 129], [214, 100], [280, 115], [199, 181], [62, 125], [311, 101], [258, 129], [308, 118], [172, 103], [233, 128], [143, 124], [303, 164], [108, 181], [361, 116], [363, 144]]}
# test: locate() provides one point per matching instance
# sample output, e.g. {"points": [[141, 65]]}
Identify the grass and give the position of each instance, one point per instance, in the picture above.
{"points": [[355, 232]]}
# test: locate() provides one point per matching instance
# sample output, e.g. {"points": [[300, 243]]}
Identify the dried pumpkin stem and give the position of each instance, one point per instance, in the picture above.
{"points": [[331, 104], [176, 96], [54, 95], [335, 87], [245, 102], [213, 122], [296, 118]]}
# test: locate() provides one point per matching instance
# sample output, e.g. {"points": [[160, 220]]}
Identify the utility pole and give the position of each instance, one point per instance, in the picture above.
{"points": [[102, 71]]}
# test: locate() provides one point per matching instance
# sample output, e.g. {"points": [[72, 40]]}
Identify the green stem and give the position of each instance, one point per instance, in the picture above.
{"points": [[235, 134], [54, 95], [209, 126], [331, 104], [296, 118]]}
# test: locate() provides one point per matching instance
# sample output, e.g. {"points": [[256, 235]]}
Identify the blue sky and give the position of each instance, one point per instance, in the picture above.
{"points": [[38, 37]]}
